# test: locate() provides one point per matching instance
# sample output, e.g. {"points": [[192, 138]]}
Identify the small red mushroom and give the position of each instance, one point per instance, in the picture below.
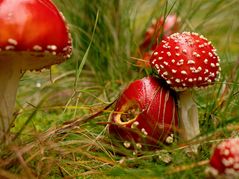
{"points": [[159, 27], [145, 114], [33, 35], [186, 61], [225, 159]]}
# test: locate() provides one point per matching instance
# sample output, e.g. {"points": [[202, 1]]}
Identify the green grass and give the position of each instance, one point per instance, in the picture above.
{"points": [[56, 135]]}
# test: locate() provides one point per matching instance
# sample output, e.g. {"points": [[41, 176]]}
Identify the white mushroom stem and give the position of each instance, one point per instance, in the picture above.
{"points": [[189, 123], [10, 74]]}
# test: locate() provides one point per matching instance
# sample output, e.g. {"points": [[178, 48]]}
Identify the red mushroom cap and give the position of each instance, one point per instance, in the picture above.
{"points": [[159, 26], [186, 60], [33, 29], [145, 113], [225, 159]]}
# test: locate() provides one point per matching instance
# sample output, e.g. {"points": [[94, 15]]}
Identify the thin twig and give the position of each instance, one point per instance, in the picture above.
{"points": [[187, 167]]}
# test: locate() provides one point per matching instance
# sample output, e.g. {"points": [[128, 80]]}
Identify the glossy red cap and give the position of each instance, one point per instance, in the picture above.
{"points": [[154, 116], [35, 31]]}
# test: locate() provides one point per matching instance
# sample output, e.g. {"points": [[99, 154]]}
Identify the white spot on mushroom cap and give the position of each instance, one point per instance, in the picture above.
{"points": [[153, 62], [183, 72], [51, 47], [191, 62], [184, 51], [212, 74], [168, 82], [165, 73], [206, 61], [9, 47], [65, 48], [195, 53], [194, 70], [180, 62], [155, 53], [62, 16], [165, 63], [174, 71], [37, 48], [177, 80], [157, 66], [169, 54], [195, 33], [212, 65], [210, 54], [12, 41], [228, 161], [166, 46]]}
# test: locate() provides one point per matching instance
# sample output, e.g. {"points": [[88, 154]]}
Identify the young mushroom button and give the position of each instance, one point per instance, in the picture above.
{"points": [[33, 36], [186, 61]]}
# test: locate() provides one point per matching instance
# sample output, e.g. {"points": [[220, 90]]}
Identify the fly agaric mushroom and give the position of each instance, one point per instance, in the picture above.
{"points": [[186, 61], [161, 26], [145, 114], [225, 160], [33, 36]]}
